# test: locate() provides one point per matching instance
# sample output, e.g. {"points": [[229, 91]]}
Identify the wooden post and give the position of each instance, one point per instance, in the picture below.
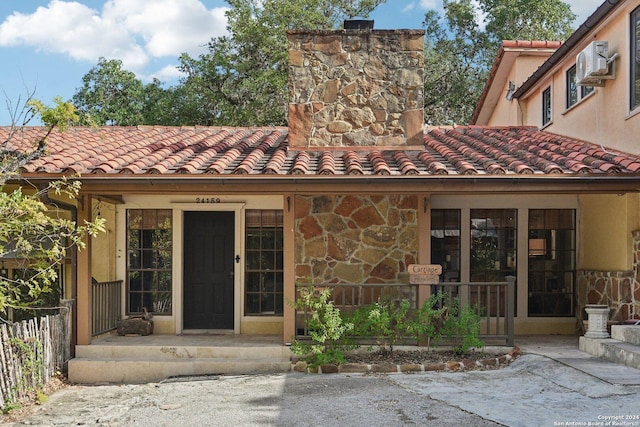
{"points": [[289, 315], [424, 242], [83, 303]]}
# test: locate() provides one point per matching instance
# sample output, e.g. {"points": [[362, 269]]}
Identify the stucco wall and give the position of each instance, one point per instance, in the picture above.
{"points": [[604, 116], [605, 231], [103, 246], [507, 113], [355, 239]]}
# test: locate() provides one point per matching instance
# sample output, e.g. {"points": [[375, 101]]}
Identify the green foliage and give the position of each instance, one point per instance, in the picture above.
{"points": [[40, 238], [527, 19], [325, 327], [461, 326], [461, 45], [41, 397], [388, 322], [242, 80], [63, 115], [10, 406], [27, 352], [35, 235], [429, 320], [110, 95]]}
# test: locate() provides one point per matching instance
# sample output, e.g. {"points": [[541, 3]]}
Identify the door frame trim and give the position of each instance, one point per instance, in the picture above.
{"points": [[178, 265]]}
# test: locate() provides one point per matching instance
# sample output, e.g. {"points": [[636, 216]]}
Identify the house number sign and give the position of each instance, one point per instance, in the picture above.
{"points": [[207, 199]]}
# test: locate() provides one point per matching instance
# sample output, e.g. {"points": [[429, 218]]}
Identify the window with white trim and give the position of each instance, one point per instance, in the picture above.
{"points": [[575, 93], [264, 274], [149, 260], [635, 58], [546, 106]]}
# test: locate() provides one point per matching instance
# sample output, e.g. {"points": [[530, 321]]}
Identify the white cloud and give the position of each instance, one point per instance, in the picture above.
{"points": [[431, 4], [408, 7], [165, 74], [168, 27], [130, 30]]}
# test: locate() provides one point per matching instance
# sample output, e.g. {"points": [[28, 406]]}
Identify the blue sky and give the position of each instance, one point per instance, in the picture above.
{"points": [[47, 46]]}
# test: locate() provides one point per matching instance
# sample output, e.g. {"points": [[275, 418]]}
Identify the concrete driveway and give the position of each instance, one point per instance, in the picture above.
{"points": [[535, 390]]}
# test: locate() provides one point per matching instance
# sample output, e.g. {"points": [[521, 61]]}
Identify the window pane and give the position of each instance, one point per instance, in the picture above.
{"points": [[572, 87], [264, 262], [551, 267], [149, 260], [253, 282], [493, 244], [252, 304], [135, 281], [149, 219], [635, 58], [546, 106], [253, 260], [134, 259], [586, 90], [445, 242]]}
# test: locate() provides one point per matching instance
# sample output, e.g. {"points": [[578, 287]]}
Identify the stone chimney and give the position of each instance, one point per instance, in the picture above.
{"points": [[358, 87]]}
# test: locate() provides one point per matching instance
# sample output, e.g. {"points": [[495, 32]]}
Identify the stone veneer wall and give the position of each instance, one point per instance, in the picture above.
{"points": [[356, 88], [620, 290], [355, 239]]}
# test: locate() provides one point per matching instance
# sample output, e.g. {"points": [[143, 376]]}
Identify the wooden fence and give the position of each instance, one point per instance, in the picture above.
{"points": [[31, 352]]}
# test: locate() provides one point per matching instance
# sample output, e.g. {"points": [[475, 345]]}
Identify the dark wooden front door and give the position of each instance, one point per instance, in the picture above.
{"points": [[208, 270]]}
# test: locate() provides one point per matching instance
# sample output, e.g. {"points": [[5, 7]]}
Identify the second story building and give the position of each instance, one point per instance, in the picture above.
{"points": [[588, 88]]}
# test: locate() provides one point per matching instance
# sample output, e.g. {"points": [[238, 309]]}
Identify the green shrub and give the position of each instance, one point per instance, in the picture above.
{"points": [[325, 326], [387, 321], [462, 326], [429, 320]]}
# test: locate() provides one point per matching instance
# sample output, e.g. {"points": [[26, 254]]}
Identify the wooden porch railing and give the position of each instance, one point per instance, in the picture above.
{"points": [[106, 300], [494, 302]]}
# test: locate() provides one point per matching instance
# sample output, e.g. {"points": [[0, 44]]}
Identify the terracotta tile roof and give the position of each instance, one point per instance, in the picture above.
{"points": [[533, 44], [463, 150]]}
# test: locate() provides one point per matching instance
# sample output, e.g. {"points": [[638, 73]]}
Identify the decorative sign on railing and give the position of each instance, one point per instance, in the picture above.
{"points": [[424, 274]]}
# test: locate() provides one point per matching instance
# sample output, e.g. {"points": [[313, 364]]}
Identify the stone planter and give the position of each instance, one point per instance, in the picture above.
{"points": [[598, 317]]}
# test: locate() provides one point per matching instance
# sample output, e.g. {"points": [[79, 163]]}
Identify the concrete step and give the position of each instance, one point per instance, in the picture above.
{"points": [[168, 352], [612, 350], [621, 352], [626, 333], [148, 361], [96, 371]]}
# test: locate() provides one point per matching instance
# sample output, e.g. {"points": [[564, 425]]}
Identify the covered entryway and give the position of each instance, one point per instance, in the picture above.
{"points": [[208, 270]]}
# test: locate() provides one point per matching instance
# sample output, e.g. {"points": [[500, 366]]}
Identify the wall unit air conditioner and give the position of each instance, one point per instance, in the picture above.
{"points": [[592, 64]]}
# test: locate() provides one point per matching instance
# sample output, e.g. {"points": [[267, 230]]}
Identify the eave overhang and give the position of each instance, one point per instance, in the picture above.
{"points": [[260, 184]]}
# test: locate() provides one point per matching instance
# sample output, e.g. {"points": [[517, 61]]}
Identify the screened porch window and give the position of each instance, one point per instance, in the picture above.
{"points": [[493, 244], [445, 242], [552, 254], [264, 277], [149, 260]]}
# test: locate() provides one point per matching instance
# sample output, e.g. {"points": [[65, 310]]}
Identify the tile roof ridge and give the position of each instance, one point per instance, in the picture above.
{"points": [[532, 44]]}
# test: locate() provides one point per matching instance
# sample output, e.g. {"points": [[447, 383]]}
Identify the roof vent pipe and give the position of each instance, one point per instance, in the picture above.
{"points": [[358, 24]]}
